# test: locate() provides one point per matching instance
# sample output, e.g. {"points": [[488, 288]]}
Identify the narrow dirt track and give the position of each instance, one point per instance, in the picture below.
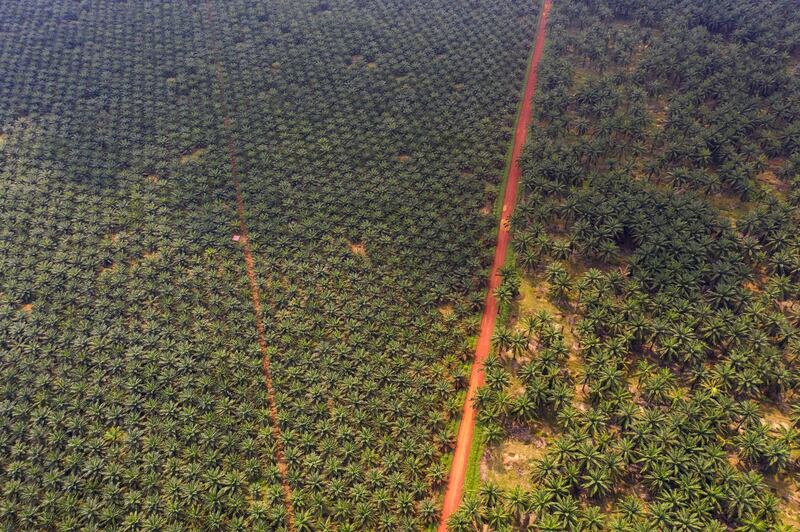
{"points": [[251, 275], [452, 497]]}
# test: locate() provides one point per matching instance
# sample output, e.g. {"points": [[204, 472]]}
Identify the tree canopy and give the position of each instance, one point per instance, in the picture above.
{"points": [[368, 137], [660, 212]]}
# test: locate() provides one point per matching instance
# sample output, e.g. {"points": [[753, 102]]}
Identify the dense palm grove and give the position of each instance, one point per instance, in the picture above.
{"points": [[660, 210], [368, 137]]}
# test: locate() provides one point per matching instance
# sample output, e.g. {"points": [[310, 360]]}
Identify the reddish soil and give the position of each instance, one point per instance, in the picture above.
{"points": [[251, 275], [452, 497]]}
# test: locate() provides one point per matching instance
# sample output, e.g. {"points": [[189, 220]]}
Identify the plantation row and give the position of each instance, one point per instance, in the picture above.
{"points": [[657, 359], [369, 138]]}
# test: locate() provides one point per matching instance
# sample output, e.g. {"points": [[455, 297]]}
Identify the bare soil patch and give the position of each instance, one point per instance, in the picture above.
{"points": [[149, 256], [774, 417], [358, 248], [446, 310], [753, 287], [372, 65], [785, 487], [27, 308], [794, 63]]}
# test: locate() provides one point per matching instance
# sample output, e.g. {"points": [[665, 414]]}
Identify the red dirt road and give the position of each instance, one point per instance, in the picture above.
{"points": [[251, 276], [452, 497]]}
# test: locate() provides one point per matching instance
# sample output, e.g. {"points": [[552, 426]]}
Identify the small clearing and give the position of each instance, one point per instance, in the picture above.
{"points": [[787, 491], [104, 270], [509, 464], [446, 310], [193, 155], [659, 110], [729, 206], [774, 418], [533, 299], [27, 308], [358, 248], [582, 74], [772, 181], [372, 65], [149, 257]]}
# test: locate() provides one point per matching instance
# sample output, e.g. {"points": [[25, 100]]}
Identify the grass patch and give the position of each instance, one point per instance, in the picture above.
{"points": [[105, 270], [509, 464], [446, 310], [533, 299], [472, 480], [729, 206], [193, 155]]}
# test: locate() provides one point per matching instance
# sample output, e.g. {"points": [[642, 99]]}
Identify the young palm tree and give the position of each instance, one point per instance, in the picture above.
{"points": [[520, 506], [597, 481], [498, 518], [491, 495]]}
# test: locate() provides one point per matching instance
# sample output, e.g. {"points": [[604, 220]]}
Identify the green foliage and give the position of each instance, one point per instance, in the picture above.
{"points": [[659, 203]]}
